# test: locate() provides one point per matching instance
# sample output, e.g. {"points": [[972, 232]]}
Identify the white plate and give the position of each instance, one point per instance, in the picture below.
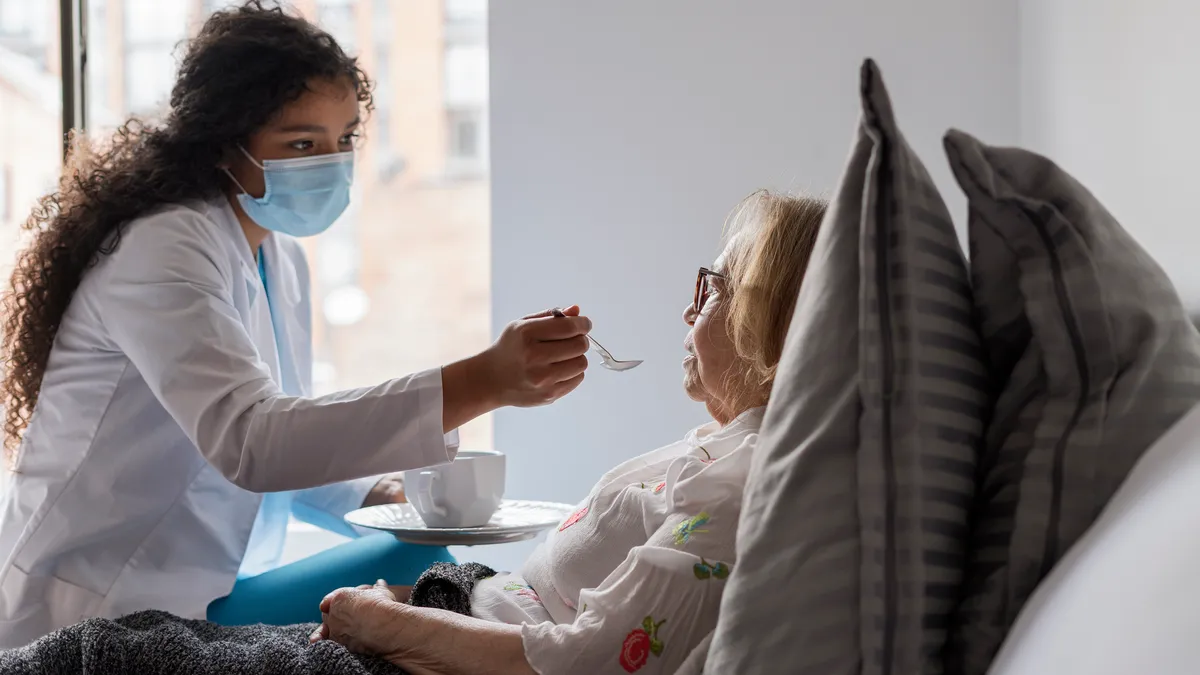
{"points": [[513, 521]]}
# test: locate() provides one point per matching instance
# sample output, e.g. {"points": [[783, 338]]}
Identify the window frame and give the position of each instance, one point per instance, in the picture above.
{"points": [[72, 30]]}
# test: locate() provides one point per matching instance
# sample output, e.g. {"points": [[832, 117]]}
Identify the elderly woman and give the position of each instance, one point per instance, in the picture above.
{"points": [[632, 581]]}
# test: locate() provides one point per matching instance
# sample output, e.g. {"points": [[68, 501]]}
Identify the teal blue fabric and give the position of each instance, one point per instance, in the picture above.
{"points": [[292, 593], [266, 542]]}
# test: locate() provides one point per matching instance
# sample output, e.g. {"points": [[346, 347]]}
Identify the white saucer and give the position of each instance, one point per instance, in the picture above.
{"points": [[513, 521]]}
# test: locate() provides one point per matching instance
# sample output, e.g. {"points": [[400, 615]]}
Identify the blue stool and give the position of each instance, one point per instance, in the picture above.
{"points": [[293, 593]]}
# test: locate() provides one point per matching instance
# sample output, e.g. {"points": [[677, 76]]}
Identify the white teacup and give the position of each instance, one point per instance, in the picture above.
{"points": [[462, 493]]}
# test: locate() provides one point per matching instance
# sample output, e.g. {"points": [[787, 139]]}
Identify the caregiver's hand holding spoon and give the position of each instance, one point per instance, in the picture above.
{"points": [[535, 361]]}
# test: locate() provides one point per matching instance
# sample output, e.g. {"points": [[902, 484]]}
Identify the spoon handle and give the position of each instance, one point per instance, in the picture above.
{"points": [[599, 347]]}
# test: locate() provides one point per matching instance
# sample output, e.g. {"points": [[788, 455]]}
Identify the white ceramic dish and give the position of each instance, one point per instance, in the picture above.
{"points": [[513, 521]]}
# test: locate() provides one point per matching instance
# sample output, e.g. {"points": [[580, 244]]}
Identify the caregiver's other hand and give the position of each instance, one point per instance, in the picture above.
{"points": [[389, 490], [540, 358]]}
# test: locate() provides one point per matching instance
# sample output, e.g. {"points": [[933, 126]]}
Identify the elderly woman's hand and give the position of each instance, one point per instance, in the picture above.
{"points": [[423, 641], [364, 619]]}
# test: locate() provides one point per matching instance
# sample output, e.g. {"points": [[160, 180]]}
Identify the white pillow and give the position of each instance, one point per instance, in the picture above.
{"points": [[1126, 598]]}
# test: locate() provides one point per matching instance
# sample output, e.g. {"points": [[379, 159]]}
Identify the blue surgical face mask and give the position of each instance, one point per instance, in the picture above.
{"points": [[303, 196]]}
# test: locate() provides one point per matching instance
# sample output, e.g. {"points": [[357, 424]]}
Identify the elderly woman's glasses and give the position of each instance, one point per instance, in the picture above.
{"points": [[704, 287]]}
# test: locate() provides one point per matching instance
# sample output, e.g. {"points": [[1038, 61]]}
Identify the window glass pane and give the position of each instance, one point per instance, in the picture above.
{"points": [[30, 116], [466, 75], [30, 121], [401, 281], [98, 81], [337, 17], [26, 25], [158, 21], [465, 136], [149, 74], [469, 10], [210, 6], [6, 207]]}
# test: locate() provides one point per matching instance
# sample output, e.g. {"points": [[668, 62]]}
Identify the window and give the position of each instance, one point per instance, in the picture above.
{"points": [[387, 162], [148, 78], [30, 115], [466, 21], [211, 6], [466, 10], [99, 84], [337, 17], [6, 213], [155, 22], [466, 75], [401, 281], [465, 87], [152, 29], [25, 27], [467, 136]]}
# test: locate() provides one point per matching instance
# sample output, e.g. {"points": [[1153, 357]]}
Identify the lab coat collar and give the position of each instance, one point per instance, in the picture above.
{"points": [[219, 211], [276, 344], [281, 273]]}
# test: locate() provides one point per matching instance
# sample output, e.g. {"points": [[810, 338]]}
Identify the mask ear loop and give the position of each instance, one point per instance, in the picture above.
{"points": [[251, 157], [235, 181], [253, 161]]}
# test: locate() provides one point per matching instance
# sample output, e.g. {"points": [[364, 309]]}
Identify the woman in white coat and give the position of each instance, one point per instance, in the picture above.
{"points": [[157, 352]]}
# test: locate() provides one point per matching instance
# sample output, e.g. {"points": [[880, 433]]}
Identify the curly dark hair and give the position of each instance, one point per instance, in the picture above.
{"points": [[241, 69]]}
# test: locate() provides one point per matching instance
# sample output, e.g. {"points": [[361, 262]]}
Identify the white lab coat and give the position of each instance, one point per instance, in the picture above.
{"points": [[166, 408]]}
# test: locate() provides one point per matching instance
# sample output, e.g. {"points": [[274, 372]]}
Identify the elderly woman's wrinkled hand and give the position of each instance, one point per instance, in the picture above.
{"points": [[364, 619]]}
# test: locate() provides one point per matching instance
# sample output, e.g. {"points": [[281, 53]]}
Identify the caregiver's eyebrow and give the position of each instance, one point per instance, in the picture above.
{"points": [[316, 128]]}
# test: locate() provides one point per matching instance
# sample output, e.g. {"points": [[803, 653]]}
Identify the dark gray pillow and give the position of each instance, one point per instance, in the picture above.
{"points": [[852, 535], [1097, 358]]}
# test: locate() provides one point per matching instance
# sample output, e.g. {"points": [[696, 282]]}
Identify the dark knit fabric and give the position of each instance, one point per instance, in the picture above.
{"points": [[157, 643], [448, 586]]}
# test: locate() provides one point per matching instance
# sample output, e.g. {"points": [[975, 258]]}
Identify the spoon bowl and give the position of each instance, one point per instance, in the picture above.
{"points": [[606, 357]]}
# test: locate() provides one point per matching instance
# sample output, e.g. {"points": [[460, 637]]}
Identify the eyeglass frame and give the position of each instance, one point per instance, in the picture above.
{"points": [[702, 287]]}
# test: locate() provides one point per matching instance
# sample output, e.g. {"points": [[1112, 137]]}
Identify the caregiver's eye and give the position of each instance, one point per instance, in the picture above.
{"points": [[302, 146]]}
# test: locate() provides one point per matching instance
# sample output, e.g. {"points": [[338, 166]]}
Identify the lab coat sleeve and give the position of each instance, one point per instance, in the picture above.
{"points": [[651, 613], [326, 506], [165, 299]]}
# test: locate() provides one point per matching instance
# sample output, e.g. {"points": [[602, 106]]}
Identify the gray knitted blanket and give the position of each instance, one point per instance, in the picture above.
{"points": [[157, 643]]}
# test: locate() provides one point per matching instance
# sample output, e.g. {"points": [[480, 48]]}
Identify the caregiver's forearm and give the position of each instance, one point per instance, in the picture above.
{"points": [[468, 391]]}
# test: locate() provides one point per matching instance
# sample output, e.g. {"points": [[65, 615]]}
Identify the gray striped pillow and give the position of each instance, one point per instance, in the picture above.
{"points": [[854, 523], [1098, 359]]}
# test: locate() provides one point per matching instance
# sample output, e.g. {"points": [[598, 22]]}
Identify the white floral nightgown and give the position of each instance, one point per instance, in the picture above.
{"points": [[632, 581]]}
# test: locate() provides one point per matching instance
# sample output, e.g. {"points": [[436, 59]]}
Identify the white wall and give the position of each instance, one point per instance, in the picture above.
{"points": [[624, 131], [1110, 91]]}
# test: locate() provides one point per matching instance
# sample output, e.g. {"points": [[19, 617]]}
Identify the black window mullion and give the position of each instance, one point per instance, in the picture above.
{"points": [[72, 16]]}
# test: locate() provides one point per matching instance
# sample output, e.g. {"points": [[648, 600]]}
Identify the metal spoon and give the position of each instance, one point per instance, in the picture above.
{"points": [[606, 357]]}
